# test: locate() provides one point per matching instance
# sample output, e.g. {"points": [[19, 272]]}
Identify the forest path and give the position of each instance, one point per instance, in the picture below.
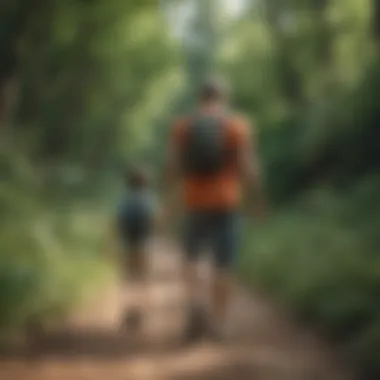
{"points": [[262, 343]]}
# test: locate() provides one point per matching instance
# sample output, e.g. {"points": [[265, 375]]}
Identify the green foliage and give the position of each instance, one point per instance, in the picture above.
{"points": [[85, 69], [98, 83], [307, 73], [320, 259], [91, 79], [47, 258]]}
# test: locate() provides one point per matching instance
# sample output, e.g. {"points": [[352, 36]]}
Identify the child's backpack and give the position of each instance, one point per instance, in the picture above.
{"points": [[136, 214]]}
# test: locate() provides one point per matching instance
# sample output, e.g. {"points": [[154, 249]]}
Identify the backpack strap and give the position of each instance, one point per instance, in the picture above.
{"points": [[222, 117]]}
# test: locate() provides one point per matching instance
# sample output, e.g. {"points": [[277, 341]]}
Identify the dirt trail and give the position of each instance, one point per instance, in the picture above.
{"points": [[262, 344]]}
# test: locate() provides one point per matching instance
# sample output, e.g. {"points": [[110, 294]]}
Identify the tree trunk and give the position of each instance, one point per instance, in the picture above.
{"points": [[8, 100], [320, 10], [13, 19], [376, 19], [290, 79]]}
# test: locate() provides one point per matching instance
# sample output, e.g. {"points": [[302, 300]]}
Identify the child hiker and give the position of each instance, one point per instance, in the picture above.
{"points": [[135, 220]]}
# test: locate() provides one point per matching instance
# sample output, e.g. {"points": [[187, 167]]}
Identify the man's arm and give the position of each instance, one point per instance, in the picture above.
{"points": [[250, 168]]}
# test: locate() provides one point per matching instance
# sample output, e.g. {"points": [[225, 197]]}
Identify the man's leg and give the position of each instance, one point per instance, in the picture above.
{"points": [[225, 236], [191, 277], [194, 234], [221, 295]]}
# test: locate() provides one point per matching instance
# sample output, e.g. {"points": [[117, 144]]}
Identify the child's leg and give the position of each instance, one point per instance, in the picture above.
{"points": [[134, 284], [136, 263]]}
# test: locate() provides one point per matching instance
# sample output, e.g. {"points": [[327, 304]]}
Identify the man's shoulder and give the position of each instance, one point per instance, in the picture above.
{"points": [[239, 122], [238, 117]]}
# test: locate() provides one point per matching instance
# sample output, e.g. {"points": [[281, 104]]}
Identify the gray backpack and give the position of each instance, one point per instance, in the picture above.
{"points": [[204, 152]]}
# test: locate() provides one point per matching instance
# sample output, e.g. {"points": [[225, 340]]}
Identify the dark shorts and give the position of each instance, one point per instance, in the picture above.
{"points": [[216, 230]]}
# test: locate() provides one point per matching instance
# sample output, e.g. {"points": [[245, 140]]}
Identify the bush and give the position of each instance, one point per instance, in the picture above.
{"points": [[49, 255], [320, 259]]}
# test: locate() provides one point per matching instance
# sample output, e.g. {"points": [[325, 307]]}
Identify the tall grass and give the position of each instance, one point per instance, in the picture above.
{"points": [[50, 253]]}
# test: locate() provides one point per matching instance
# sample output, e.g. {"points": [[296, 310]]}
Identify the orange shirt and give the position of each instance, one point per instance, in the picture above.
{"points": [[222, 191]]}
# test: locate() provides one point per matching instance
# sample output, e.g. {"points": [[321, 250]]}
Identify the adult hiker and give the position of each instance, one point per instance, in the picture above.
{"points": [[213, 157]]}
